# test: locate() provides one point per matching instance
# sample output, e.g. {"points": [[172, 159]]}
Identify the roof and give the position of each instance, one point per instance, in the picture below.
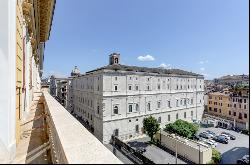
{"points": [[145, 69]]}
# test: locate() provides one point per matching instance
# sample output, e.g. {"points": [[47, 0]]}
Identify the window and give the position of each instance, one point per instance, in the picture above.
{"points": [[137, 87], [168, 117], [177, 87], [185, 115], [245, 107], [136, 119], [192, 101], [181, 102], [239, 105], [240, 116], [245, 101], [159, 119], [90, 117], [177, 116], [168, 104], [115, 109], [234, 105], [148, 88], [129, 121], [234, 113], [116, 88], [116, 132], [185, 102], [115, 78], [137, 107], [245, 115], [229, 112], [177, 103], [137, 128], [159, 87], [159, 104], [130, 87], [210, 108], [130, 108], [98, 109], [148, 106], [188, 86], [192, 113], [215, 109], [220, 110]]}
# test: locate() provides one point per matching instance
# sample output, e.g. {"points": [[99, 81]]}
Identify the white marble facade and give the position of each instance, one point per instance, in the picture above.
{"points": [[118, 101]]}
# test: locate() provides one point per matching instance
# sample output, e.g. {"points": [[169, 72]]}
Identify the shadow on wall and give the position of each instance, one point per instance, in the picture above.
{"points": [[231, 156]]}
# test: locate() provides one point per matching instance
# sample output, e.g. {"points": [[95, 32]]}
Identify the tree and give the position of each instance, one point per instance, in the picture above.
{"points": [[216, 156], [151, 126], [182, 128]]}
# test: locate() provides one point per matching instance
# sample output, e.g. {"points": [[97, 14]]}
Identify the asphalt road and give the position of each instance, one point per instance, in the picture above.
{"points": [[235, 149]]}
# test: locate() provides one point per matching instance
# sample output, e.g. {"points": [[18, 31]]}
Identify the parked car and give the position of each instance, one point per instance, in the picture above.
{"points": [[212, 141], [221, 139], [243, 160], [211, 132], [232, 137], [206, 141], [226, 136], [206, 135], [196, 137]]}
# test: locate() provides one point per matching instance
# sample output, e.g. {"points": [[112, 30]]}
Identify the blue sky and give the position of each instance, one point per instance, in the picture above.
{"points": [[210, 37]]}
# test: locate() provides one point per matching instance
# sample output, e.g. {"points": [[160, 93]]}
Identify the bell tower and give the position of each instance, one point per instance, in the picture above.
{"points": [[114, 59]]}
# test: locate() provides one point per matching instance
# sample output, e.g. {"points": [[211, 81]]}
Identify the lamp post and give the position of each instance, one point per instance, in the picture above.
{"points": [[199, 153], [176, 155]]}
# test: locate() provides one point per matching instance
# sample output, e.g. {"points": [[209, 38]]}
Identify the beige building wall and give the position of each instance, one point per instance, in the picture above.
{"points": [[186, 148], [19, 67]]}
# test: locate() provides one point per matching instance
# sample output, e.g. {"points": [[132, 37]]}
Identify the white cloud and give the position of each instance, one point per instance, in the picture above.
{"points": [[202, 69], [203, 62], [165, 66], [146, 58]]}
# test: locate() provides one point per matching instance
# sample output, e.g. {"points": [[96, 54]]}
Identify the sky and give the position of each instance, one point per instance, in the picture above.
{"points": [[208, 37]]}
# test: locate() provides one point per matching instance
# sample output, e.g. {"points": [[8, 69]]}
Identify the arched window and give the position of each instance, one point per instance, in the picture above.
{"points": [[115, 109], [177, 116]]}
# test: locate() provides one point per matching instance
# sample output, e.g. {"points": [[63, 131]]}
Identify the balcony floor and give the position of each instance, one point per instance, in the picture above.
{"points": [[33, 147]]}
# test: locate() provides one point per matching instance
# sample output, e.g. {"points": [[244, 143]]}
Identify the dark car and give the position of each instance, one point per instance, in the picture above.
{"points": [[197, 137], [232, 137], [220, 139], [243, 160]]}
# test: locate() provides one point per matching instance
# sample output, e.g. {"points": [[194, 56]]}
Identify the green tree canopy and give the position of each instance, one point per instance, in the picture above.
{"points": [[182, 128], [151, 126]]}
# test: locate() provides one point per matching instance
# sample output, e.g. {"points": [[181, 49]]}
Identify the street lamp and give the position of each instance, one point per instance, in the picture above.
{"points": [[199, 153]]}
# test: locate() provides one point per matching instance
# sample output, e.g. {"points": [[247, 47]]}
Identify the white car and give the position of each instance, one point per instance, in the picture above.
{"points": [[226, 136], [214, 142], [206, 141]]}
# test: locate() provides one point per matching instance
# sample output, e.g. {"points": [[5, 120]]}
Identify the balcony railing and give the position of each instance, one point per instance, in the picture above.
{"points": [[70, 141]]}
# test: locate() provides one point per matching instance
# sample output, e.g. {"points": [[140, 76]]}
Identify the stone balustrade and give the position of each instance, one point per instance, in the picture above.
{"points": [[70, 141]]}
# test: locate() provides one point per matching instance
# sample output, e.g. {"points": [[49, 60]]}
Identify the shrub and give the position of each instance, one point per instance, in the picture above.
{"points": [[216, 156]]}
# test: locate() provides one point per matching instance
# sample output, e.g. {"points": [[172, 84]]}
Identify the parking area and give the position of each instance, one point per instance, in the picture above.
{"points": [[235, 149], [154, 153]]}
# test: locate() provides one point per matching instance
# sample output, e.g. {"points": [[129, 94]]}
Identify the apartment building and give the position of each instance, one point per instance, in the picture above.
{"points": [[231, 106], [25, 27], [116, 98], [59, 88]]}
